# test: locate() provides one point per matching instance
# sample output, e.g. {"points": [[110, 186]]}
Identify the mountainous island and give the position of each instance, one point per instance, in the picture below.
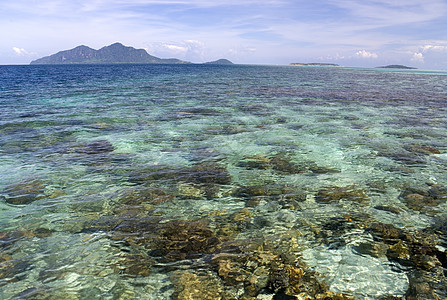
{"points": [[397, 67], [315, 64], [116, 53]]}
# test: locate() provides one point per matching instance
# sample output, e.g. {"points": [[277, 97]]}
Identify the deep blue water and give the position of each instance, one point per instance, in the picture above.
{"points": [[158, 181]]}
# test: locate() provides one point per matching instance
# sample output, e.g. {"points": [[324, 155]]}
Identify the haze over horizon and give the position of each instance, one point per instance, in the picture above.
{"points": [[346, 32]]}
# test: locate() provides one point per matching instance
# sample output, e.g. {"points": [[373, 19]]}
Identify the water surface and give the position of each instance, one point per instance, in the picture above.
{"points": [[158, 181]]}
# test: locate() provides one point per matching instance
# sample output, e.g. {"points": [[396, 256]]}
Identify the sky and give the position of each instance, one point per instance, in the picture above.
{"points": [[358, 33]]}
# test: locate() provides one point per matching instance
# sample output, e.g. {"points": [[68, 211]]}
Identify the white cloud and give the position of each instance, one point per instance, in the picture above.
{"points": [[243, 50], [20, 51], [337, 56], [191, 50], [100, 4], [366, 54], [383, 13], [176, 48], [417, 57], [438, 48]]}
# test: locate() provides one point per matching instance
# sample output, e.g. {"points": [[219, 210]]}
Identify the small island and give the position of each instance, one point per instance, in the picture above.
{"points": [[222, 61], [397, 67], [315, 64]]}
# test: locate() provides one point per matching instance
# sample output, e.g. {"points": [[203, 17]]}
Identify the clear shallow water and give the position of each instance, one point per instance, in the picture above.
{"points": [[153, 182]]}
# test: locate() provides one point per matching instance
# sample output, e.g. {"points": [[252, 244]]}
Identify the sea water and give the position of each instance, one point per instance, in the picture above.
{"points": [[158, 181]]}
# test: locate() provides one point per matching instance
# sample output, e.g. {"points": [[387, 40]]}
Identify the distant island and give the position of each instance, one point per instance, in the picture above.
{"points": [[396, 67], [220, 62], [116, 53], [315, 64]]}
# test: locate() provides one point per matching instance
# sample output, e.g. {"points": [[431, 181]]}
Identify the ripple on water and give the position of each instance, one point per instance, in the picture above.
{"points": [[235, 182]]}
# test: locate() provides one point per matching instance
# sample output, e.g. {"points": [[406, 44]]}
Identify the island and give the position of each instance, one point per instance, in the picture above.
{"points": [[116, 53], [222, 61], [397, 67], [315, 64]]}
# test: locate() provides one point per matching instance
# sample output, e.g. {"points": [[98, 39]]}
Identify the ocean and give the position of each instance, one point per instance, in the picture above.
{"points": [[222, 182]]}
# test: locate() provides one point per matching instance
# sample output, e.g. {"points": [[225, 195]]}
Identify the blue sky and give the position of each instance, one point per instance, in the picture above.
{"points": [[347, 32]]}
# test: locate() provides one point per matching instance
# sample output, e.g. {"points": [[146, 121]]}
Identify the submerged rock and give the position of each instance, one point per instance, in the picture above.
{"points": [[420, 288], [203, 173], [8, 238], [322, 170], [189, 190], [405, 156], [280, 163], [288, 197], [399, 250], [138, 196], [110, 223], [228, 225], [163, 241], [391, 209], [438, 192], [197, 191], [152, 173], [387, 232], [423, 200], [95, 147], [206, 173], [35, 293], [24, 192], [419, 252], [259, 161], [135, 265], [374, 249], [422, 149], [257, 190], [227, 269], [335, 194], [202, 154], [262, 271], [177, 240], [37, 232], [12, 270], [138, 201], [194, 285], [333, 232]]}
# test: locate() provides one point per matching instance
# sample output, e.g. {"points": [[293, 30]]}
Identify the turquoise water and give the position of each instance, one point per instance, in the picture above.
{"points": [[231, 182]]}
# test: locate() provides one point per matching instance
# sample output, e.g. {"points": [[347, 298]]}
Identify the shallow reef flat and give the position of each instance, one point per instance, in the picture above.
{"points": [[222, 182]]}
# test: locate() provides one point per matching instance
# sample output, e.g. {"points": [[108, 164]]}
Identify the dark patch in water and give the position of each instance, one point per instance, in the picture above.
{"points": [[24, 192]]}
